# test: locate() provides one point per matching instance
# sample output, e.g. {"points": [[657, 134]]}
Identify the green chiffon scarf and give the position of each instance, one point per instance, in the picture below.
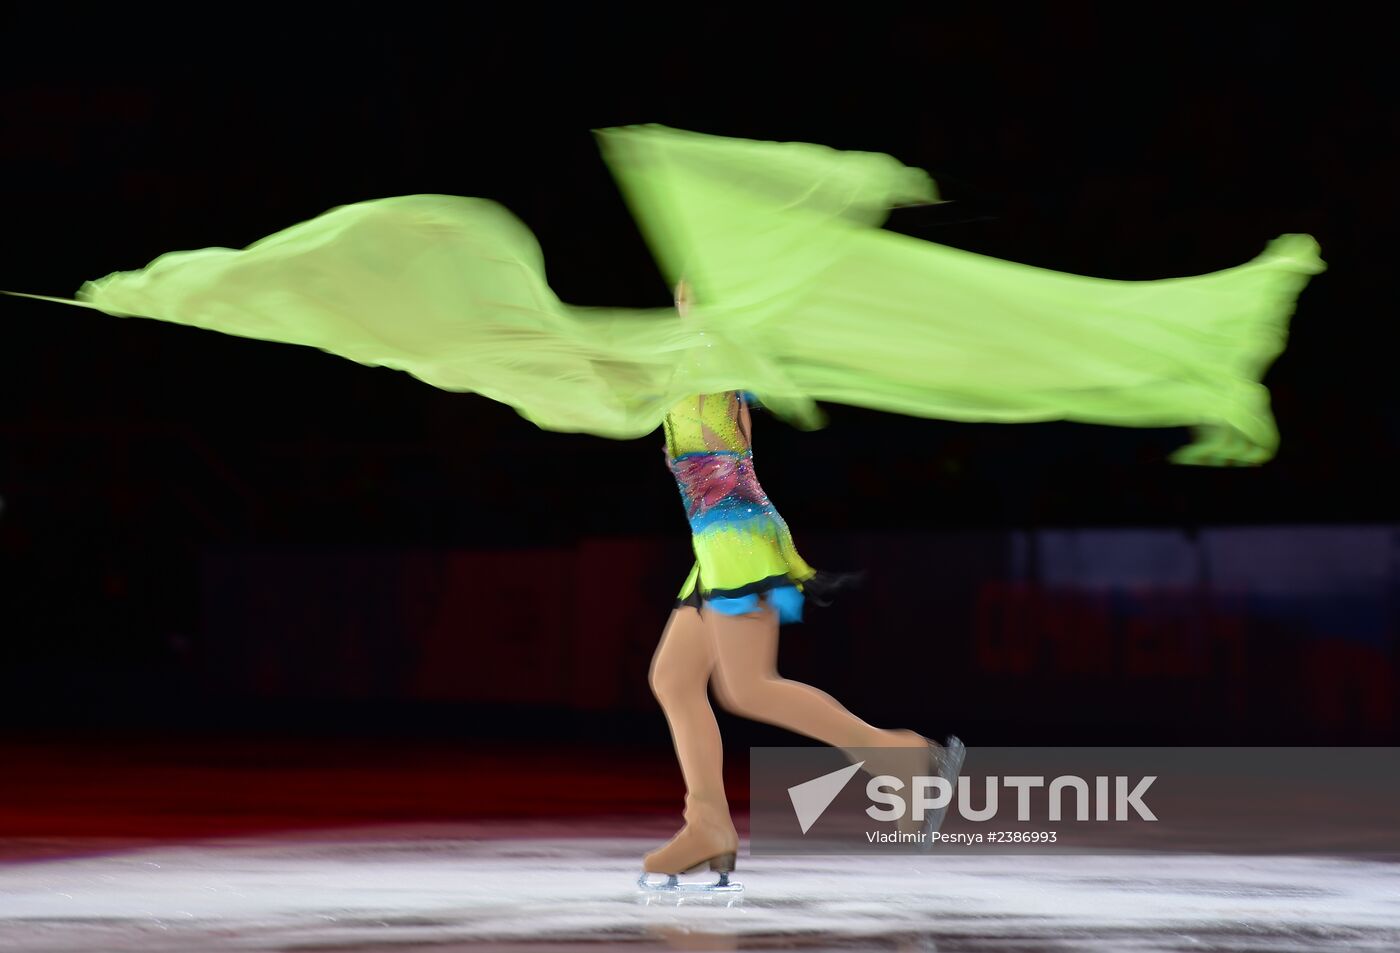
{"points": [[800, 298]]}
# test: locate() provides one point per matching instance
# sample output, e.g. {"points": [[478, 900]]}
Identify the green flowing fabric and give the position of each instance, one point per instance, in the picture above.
{"points": [[800, 298]]}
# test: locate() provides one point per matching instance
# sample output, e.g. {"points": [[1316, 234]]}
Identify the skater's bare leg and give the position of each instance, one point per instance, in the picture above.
{"points": [[747, 683], [680, 672]]}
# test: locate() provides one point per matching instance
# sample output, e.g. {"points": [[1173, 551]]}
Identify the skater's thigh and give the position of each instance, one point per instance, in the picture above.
{"points": [[686, 652], [746, 651]]}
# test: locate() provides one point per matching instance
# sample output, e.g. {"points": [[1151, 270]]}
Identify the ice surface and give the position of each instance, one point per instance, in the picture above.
{"points": [[568, 886]]}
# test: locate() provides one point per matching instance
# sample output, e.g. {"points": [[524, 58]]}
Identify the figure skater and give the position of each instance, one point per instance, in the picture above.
{"points": [[805, 299], [747, 581]]}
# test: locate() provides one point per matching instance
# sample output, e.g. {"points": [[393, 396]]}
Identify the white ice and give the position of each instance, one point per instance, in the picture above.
{"points": [[561, 886]]}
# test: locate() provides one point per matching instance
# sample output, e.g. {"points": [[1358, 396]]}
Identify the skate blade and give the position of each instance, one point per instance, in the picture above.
{"points": [[672, 884], [950, 762]]}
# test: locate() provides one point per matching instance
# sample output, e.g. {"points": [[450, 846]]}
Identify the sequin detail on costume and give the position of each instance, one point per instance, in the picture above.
{"points": [[712, 483], [743, 548]]}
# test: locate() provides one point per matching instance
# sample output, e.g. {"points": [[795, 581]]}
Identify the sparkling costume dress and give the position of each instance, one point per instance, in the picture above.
{"points": [[743, 549]]}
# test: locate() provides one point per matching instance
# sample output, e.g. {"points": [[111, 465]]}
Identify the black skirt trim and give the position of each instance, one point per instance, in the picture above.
{"points": [[821, 589]]}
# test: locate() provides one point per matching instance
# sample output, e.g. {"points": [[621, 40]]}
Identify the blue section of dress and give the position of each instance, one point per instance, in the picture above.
{"points": [[785, 600]]}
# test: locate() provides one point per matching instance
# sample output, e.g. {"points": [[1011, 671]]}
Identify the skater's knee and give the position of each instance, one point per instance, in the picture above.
{"points": [[673, 683]]}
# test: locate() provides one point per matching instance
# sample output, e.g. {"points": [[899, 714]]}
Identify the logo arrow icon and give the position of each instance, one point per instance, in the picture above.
{"points": [[810, 799]]}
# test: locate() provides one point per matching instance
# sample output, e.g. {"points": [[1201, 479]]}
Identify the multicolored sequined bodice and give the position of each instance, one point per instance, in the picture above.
{"points": [[709, 450], [742, 545]]}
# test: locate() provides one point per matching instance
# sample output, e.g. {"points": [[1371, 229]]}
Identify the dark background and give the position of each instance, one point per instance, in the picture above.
{"points": [[203, 534]]}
